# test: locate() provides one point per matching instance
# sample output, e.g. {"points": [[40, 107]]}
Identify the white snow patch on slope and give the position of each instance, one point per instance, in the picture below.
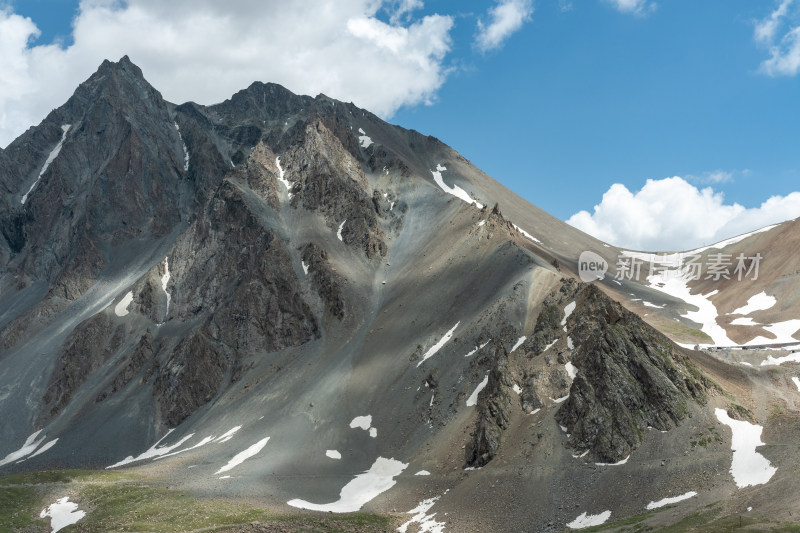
{"points": [[528, 235], [473, 398], [589, 520], [549, 346], [363, 488], [567, 312], [339, 231], [423, 473], [228, 435], [121, 308], [426, 522], [305, 267], [775, 361], [732, 240], [363, 422], [185, 149], [481, 347], [571, 369], [27, 448], [438, 346], [744, 321], [364, 139], [675, 283], [783, 332], [286, 183], [748, 467], [796, 382], [668, 501], [241, 457], [164, 282], [759, 302], [455, 190], [333, 454], [620, 463], [63, 513], [560, 400], [44, 448], [516, 388], [373, 432], [50, 158], [570, 344], [154, 451], [518, 344]]}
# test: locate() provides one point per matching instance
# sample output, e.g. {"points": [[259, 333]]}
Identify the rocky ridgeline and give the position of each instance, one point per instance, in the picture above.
{"points": [[629, 378]]}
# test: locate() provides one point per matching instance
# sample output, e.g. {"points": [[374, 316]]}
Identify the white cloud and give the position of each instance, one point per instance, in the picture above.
{"points": [[784, 52], [766, 28], [506, 17], [631, 6], [715, 176], [204, 50], [402, 9], [674, 215]]}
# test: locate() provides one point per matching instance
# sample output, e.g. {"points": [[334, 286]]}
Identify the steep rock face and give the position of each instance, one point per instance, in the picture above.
{"points": [[86, 350], [231, 267], [328, 285], [330, 180], [117, 178], [142, 354], [494, 407], [630, 377], [193, 374]]}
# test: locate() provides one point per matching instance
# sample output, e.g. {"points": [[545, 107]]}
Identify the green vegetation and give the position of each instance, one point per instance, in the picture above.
{"points": [[684, 333], [121, 501]]}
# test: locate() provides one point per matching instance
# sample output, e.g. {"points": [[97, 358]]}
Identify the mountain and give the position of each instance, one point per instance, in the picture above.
{"points": [[285, 301]]}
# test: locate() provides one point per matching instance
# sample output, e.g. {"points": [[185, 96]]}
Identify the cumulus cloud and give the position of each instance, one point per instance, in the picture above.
{"points": [[673, 215], [782, 40], [204, 51], [505, 18], [715, 176], [637, 7]]}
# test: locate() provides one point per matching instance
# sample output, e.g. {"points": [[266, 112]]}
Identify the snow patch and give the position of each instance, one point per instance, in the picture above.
{"points": [[47, 446], [63, 513], [363, 422], [333, 454], [620, 463], [748, 467], [228, 435], [516, 388], [567, 312], [339, 231], [759, 302], [363, 488], [364, 139], [560, 400], [732, 240], [744, 321], [426, 522], [305, 267], [164, 282], [154, 451], [50, 158], [27, 448], [589, 520], [473, 398], [570, 344], [438, 346], [185, 149], [241, 457], [121, 308], [281, 173], [571, 369], [518, 344], [796, 382], [455, 190], [668, 501], [423, 473], [775, 361], [528, 235], [477, 348]]}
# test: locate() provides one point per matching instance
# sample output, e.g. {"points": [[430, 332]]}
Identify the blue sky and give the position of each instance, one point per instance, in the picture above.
{"points": [[572, 99]]}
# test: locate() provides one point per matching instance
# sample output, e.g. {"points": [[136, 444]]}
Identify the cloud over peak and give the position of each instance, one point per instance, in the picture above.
{"points": [[505, 18]]}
